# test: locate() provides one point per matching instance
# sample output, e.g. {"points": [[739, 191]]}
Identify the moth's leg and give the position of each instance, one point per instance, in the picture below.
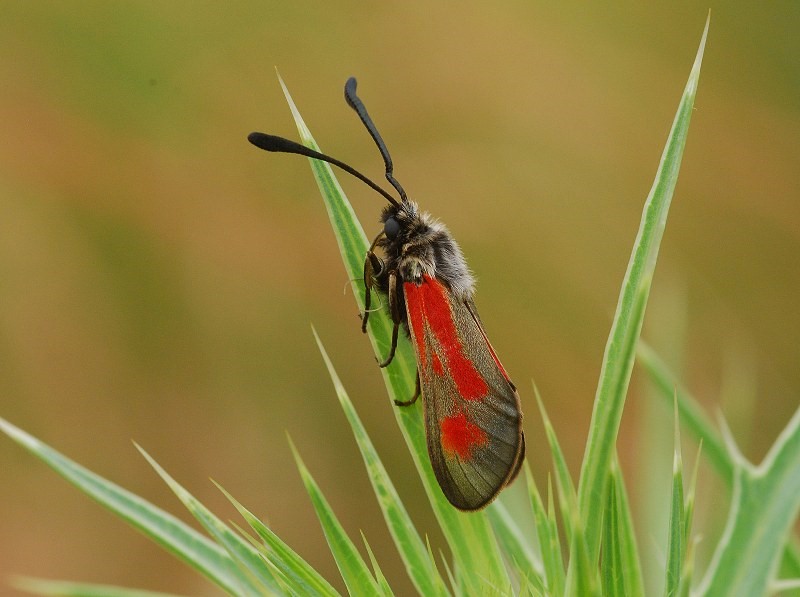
{"points": [[416, 395], [368, 273], [373, 268], [394, 310]]}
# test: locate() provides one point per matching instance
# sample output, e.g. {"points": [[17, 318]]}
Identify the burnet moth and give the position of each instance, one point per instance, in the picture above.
{"points": [[472, 410]]}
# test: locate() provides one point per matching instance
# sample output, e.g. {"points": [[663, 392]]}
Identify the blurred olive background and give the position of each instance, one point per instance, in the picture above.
{"points": [[159, 276]]}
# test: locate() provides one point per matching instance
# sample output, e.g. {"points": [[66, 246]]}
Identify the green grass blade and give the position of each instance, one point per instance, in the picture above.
{"points": [[256, 577], [617, 362], [689, 503], [785, 586], [353, 568], [381, 579], [57, 588], [457, 589], [480, 567], [582, 574], [198, 551], [298, 573], [634, 580], [764, 508], [420, 567], [623, 537], [687, 574], [547, 532], [677, 529], [612, 573], [689, 410], [516, 546], [281, 579], [694, 420], [567, 497]]}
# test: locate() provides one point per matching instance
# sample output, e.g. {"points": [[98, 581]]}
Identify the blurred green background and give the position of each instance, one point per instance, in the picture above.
{"points": [[159, 275]]}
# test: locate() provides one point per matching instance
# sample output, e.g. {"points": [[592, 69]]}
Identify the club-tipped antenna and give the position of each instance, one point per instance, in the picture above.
{"points": [[282, 145], [352, 100]]}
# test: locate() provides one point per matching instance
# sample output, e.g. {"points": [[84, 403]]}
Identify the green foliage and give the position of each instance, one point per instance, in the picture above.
{"points": [[677, 517], [585, 547], [72, 589], [620, 567], [619, 353]]}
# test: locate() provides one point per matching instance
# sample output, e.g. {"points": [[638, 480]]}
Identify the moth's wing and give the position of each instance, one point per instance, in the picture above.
{"points": [[474, 312], [472, 410]]}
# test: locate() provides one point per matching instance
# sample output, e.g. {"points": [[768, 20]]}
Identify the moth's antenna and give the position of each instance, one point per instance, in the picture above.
{"points": [[357, 105], [282, 145]]}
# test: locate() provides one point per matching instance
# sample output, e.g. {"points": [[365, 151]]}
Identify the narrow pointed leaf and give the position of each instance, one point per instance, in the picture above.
{"points": [[618, 358], [693, 419], [547, 533], [57, 588], [634, 582], [689, 503], [299, 574], [421, 568], [623, 538], [515, 545], [256, 577], [691, 414], [785, 585], [675, 543], [764, 509], [687, 574], [376, 569], [176, 537], [353, 568], [582, 574], [612, 573], [567, 496]]}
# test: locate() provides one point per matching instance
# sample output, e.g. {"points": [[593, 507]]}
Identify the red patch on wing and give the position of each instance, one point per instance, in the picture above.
{"points": [[428, 304], [459, 436], [416, 318]]}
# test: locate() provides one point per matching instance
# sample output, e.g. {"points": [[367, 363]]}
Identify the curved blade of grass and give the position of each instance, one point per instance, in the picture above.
{"points": [[612, 573], [516, 546], [280, 578], [376, 569], [582, 574], [256, 576], [420, 567], [764, 508], [618, 358], [198, 551], [353, 568], [699, 424], [567, 497], [687, 574], [689, 410], [58, 588], [623, 574], [785, 586], [464, 532], [688, 518], [677, 529], [634, 581], [547, 532], [299, 575]]}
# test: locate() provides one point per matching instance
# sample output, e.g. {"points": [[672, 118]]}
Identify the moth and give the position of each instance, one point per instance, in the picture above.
{"points": [[473, 418]]}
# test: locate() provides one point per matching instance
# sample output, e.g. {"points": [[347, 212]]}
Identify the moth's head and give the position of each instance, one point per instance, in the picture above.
{"points": [[399, 219]]}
